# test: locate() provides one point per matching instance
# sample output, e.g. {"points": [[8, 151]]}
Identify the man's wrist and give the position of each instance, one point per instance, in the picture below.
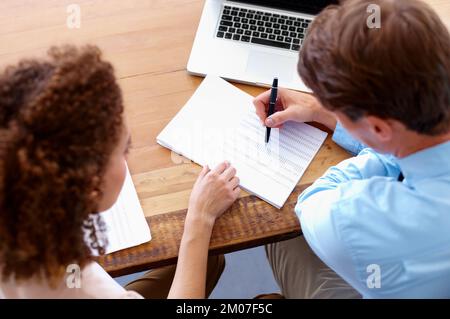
{"points": [[325, 117]]}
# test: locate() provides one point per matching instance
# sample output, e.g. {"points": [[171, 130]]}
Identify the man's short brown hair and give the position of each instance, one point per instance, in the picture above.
{"points": [[399, 71]]}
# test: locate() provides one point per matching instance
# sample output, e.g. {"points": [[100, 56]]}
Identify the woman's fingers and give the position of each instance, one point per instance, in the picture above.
{"points": [[229, 173], [204, 171], [234, 182], [219, 169], [236, 192]]}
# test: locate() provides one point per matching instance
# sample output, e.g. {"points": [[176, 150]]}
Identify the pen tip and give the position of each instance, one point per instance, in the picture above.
{"points": [[275, 82]]}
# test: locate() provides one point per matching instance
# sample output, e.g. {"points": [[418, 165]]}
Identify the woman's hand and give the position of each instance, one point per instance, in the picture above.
{"points": [[293, 106], [214, 191]]}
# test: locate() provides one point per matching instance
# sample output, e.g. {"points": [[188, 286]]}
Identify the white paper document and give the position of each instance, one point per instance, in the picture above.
{"points": [[126, 225], [219, 123]]}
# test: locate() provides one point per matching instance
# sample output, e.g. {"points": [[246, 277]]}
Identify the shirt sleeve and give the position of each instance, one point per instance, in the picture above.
{"points": [[323, 238], [319, 204], [366, 165], [346, 141]]}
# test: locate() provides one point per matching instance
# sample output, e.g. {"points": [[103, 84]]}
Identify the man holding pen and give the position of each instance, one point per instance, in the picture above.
{"points": [[376, 225]]}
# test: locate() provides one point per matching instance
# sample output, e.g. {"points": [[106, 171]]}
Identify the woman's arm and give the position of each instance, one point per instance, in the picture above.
{"points": [[190, 276], [214, 191]]}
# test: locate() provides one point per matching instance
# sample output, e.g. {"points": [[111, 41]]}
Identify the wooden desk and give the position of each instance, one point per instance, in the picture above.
{"points": [[149, 42]]}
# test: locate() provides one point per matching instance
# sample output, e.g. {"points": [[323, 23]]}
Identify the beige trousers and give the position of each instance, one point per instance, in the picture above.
{"points": [[301, 274], [155, 284]]}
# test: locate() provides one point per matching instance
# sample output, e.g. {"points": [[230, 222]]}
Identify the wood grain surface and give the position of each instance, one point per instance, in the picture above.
{"points": [[148, 42]]}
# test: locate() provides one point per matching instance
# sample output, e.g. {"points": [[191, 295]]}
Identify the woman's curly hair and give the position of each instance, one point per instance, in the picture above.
{"points": [[60, 120]]}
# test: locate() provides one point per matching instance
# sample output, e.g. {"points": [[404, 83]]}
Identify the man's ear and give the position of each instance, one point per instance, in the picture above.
{"points": [[381, 128]]}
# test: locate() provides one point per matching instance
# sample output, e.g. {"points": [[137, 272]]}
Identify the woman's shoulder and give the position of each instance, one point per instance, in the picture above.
{"points": [[90, 282]]}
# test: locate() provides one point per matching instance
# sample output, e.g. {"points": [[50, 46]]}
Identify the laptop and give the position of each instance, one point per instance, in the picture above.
{"points": [[253, 41]]}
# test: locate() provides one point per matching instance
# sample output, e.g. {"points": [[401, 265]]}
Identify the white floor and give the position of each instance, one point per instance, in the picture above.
{"points": [[247, 274]]}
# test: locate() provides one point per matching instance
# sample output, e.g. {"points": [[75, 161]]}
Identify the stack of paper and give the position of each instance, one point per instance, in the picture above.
{"points": [[126, 225], [219, 123]]}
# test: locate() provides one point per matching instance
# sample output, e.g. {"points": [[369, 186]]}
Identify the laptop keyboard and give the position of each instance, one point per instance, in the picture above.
{"points": [[271, 29]]}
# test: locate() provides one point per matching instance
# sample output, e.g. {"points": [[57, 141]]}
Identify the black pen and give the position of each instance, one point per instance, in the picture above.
{"points": [[272, 102]]}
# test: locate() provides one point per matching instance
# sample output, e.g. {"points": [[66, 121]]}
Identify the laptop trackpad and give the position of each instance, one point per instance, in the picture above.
{"points": [[265, 66]]}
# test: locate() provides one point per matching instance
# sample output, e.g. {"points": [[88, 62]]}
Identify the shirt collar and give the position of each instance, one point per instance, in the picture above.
{"points": [[428, 163]]}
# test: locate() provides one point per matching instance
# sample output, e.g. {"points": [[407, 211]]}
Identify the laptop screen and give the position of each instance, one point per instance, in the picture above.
{"points": [[305, 6]]}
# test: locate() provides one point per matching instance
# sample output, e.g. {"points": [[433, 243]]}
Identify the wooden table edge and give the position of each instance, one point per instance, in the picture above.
{"points": [[249, 223]]}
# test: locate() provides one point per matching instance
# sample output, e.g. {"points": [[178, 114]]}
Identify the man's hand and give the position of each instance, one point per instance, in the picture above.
{"points": [[293, 106]]}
